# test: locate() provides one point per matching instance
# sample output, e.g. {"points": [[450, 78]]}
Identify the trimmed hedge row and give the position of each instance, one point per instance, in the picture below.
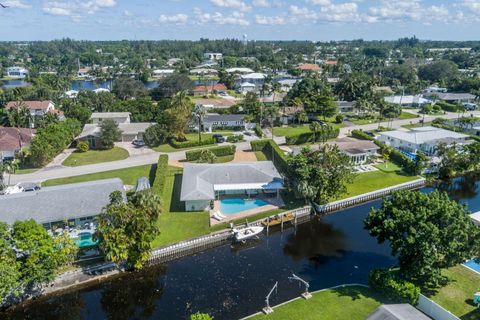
{"points": [[391, 286], [306, 137], [161, 174], [395, 155], [188, 144], [448, 106], [220, 151], [258, 131], [269, 148]]}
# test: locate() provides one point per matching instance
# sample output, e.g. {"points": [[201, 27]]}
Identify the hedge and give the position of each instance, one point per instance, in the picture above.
{"points": [[390, 285], [266, 146], [188, 144], [220, 151], [448, 106], [161, 174], [306, 137], [235, 138], [258, 131]]}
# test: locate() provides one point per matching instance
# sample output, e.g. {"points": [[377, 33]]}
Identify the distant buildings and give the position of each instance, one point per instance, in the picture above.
{"points": [[213, 56], [36, 108], [13, 140], [408, 100], [161, 73], [17, 72], [309, 67], [359, 151], [209, 89], [214, 121]]}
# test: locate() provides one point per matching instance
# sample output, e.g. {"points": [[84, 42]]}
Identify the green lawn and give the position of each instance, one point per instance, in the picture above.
{"points": [[191, 137], [26, 170], [457, 295], [407, 115], [388, 167], [343, 303], [260, 156], [371, 181], [129, 176], [95, 156], [289, 131]]}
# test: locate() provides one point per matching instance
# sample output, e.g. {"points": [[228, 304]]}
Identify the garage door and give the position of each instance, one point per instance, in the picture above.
{"points": [[128, 137]]}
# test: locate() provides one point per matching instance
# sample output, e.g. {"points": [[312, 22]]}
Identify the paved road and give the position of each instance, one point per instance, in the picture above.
{"points": [[54, 172]]}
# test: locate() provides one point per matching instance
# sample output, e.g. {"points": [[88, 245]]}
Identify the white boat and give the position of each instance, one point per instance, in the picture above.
{"points": [[14, 189], [246, 233]]}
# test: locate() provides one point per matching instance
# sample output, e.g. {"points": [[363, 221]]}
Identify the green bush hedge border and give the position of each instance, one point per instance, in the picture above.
{"points": [[219, 151]]}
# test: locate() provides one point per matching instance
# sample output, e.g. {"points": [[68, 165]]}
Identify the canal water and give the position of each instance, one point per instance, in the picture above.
{"points": [[230, 282]]}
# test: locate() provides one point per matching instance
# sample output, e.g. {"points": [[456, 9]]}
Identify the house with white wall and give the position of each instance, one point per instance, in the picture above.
{"points": [[232, 121], [17, 72]]}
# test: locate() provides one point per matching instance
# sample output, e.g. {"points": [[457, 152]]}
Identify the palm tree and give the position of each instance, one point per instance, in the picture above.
{"points": [[301, 116], [315, 127], [199, 113], [182, 106], [271, 114]]}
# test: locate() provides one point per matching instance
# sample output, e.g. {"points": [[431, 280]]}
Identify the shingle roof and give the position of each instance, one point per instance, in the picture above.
{"points": [[199, 179], [224, 103], [35, 105], [12, 139], [354, 146], [59, 203], [109, 115], [397, 312], [223, 117], [450, 96], [127, 128], [309, 67]]}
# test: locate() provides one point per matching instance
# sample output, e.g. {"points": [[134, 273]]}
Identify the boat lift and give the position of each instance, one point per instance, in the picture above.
{"points": [[268, 309], [306, 295]]}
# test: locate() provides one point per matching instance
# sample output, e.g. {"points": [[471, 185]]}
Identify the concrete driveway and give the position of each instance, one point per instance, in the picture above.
{"points": [[134, 150]]}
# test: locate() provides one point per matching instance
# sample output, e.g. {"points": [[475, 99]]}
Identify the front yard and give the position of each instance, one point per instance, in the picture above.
{"points": [[95, 156], [342, 303], [190, 137]]}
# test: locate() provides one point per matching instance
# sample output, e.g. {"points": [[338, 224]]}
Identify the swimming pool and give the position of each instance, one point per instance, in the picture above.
{"points": [[85, 240], [471, 264], [232, 206]]}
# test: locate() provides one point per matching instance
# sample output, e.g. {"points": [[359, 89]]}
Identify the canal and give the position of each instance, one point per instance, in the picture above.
{"points": [[231, 281]]}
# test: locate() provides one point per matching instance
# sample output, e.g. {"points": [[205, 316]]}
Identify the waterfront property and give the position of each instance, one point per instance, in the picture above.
{"points": [[359, 151], [397, 312], [67, 206], [13, 140], [17, 72], [202, 184], [423, 139]]}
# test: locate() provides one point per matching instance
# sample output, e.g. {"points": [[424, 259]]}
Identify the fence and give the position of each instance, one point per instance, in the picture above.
{"points": [[433, 310], [366, 197], [188, 247]]}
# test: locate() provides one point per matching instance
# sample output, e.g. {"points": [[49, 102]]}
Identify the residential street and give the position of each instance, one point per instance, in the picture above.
{"points": [[54, 172]]}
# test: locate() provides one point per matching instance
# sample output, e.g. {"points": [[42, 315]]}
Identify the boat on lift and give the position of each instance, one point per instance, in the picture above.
{"points": [[244, 234]]}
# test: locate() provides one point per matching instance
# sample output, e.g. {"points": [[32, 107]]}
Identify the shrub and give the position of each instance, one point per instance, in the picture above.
{"points": [[269, 148], [235, 138], [448, 106], [207, 156], [83, 146], [339, 118], [156, 135], [258, 131], [220, 151], [359, 134], [390, 285], [188, 144], [160, 174]]}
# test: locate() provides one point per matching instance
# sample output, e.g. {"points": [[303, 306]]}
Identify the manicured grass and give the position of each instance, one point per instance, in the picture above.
{"points": [[26, 170], [388, 167], [407, 115], [343, 303], [260, 156], [191, 137], [222, 159], [289, 131], [371, 181], [95, 156], [176, 224], [129, 176], [457, 295]]}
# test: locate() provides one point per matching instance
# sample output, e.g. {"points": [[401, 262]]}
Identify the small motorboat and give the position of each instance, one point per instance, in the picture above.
{"points": [[246, 233]]}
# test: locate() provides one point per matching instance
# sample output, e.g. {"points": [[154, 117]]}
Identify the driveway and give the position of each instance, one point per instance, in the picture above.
{"points": [[134, 150]]}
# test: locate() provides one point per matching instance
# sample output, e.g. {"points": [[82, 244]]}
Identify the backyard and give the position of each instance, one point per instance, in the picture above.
{"points": [[95, 156], [190, 137], [341, 303]]}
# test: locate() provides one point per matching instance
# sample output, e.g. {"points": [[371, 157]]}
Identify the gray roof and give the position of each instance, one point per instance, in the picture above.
{"points": [[223, 117], [127, 128], [450, 96], [108, 115], [397, 312], [59, 203], [424, 135], [199, 180]]}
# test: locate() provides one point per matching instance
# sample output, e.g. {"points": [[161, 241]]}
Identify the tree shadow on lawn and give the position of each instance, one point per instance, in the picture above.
{"points": [[357, 292], [152, 174], [175, 204], [472, 315]]}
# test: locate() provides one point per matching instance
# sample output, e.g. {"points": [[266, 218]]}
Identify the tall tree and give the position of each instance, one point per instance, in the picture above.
{"points": [[427, 232], [110, 133], [199, 113]]}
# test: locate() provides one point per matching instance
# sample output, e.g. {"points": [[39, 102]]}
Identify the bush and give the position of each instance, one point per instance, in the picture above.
{"points": [[306, 137], [207, 156], [220, 151], [83, 146], [258, 131], [448, 106], [235, 138], [156, 135], [359, 134], [160, 174], [390, 285], [339, 118], [188, 144], [236, 128], [269, 147]]}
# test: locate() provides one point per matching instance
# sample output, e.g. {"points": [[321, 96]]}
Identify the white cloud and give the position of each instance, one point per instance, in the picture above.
{"points": [[473, 5], [233, 4], [179, 18], [76, 8], [17, 4], [397, 10], [319, 2], [266, 20], [236, 18], [261, 3]]}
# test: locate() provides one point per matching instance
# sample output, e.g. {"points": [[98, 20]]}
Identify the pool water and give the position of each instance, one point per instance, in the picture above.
{"points": [[471, 264], [232, 206], [85, 240]]}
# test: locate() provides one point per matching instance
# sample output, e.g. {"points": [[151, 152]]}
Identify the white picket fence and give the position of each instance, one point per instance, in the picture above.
{"points": [[366, 197], [434, 310]]}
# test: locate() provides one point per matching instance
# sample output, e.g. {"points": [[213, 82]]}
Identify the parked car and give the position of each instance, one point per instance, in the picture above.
{"points": [[138, 143], [218, 138]]}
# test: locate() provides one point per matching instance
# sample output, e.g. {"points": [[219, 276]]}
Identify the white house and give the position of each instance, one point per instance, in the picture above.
{"points": [[204, 183], [345, 106], [214, 56], [408, 100], [256, 78], [161, 73], [213, 120], [17, 72], [118, 117], [100, 90], [37, 108], [247, 87], [359, 151], [239, 70], [423, 139]]}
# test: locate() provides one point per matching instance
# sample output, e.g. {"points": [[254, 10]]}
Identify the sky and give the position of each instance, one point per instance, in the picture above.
{"points": [[319, 20]]}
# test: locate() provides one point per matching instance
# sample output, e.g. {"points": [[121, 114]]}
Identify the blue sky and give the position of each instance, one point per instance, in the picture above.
{"points": [[259, 19]]}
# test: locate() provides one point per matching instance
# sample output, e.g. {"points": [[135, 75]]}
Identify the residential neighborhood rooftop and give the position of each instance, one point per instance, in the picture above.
{"points": [[397, 312], [36, 105], [15, 138], [425, 134], [107, 115], [59, 203]]}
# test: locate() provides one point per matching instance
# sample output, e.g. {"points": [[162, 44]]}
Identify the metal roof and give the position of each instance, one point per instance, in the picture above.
{"points": [[59, 203], [200, 181], [397, 312], [109, 115], [424, 135], [223, 117]]}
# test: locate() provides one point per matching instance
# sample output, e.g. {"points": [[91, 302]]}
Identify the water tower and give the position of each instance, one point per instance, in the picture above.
{"points": [[245, 39]]}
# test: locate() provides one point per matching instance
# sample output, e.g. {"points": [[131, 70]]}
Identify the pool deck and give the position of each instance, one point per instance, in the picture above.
{"points": [[273, 203]]}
